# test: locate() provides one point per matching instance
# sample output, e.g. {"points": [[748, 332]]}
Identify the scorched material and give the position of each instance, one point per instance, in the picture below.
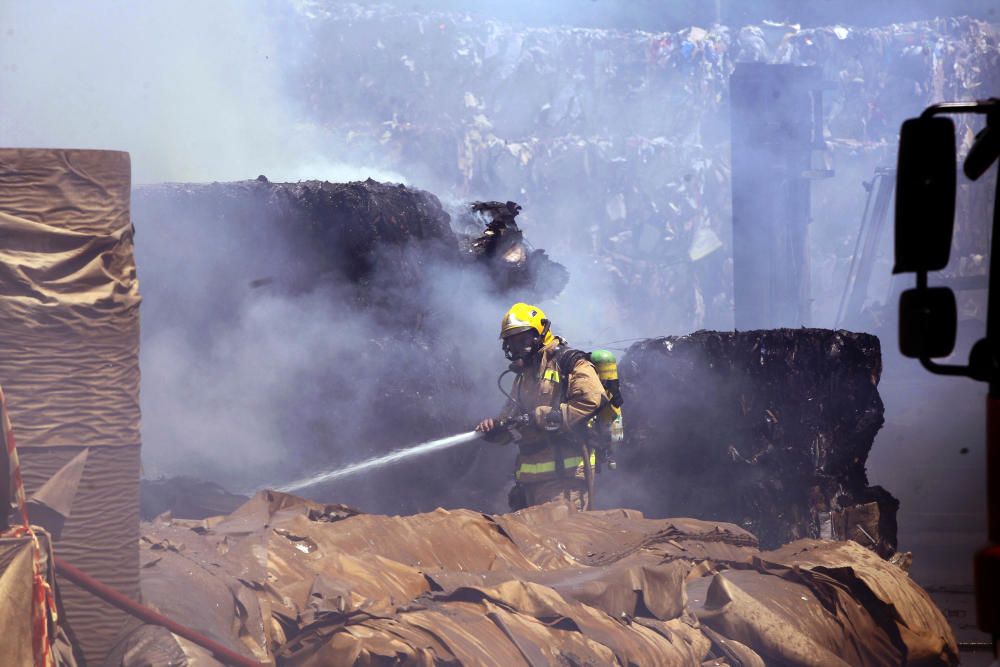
{"points": [[767, 429], [382, 236]]}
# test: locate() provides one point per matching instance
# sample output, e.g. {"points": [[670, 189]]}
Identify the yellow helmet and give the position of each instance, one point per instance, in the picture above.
{"points": [[522, 317]]}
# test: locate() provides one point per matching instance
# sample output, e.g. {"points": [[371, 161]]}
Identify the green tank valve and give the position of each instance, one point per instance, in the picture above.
{"points": [[606, 364], [602, 357]]}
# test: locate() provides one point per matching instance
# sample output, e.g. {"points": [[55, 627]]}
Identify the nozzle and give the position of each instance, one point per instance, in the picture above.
{"points": [[515, 421], [506, 430]]}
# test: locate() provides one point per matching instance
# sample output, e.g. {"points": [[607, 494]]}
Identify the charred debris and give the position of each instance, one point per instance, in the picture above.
{"points": [[511, 261], [767, 429], [340, 232]]}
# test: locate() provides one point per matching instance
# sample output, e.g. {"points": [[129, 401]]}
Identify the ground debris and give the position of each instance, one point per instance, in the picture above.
{"points": [[185, 498], [461, 587]]}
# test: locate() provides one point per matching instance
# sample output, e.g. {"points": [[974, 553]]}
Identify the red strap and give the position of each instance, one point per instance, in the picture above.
{"points": [[43, 606]]}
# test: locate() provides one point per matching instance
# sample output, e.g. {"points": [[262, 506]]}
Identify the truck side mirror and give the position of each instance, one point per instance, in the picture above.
{"points": [[925, 194], [928, 321]]}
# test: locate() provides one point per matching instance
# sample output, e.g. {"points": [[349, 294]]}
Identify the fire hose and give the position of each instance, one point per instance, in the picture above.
{"points": [[143, 613]]}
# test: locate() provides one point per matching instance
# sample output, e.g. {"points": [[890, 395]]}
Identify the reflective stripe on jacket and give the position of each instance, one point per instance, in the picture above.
{"points": [[546, 470]]}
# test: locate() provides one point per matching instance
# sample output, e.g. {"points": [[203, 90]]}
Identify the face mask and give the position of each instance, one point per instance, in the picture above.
{"points": [[514, 349], [520, 348]]}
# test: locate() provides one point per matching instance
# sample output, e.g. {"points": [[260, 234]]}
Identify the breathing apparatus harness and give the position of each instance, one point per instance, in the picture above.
{"points": [[518, 359], [606, 419], [518, 364]]}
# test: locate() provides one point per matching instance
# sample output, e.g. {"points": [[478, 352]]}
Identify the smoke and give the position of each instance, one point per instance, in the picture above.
{"points": [[625, 139], [655, 16], [262, 365], [194, 91]]}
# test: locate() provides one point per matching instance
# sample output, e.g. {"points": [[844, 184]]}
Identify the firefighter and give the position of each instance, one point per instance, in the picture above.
{"points": [[554, 461]]}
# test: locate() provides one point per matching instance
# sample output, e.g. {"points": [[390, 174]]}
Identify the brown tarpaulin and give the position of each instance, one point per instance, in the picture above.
{"points": [[69, 363], [308, 585]]}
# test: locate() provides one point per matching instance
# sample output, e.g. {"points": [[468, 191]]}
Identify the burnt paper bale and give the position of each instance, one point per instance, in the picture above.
{"points": [[868, 518], [513, 264], [185, 498], [375, 237], [766, 429], [311, 230]]}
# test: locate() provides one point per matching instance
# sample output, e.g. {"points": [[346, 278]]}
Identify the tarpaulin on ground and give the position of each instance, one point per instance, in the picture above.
{"points": [[305, 584], [69, 360]]}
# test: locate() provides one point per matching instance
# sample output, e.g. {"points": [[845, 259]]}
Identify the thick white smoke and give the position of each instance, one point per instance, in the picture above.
{"points": [[194, 91], [214, 91]]}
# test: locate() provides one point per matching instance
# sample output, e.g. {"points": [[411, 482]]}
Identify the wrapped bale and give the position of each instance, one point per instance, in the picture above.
{"points": [[767, 429], [69, 361]]}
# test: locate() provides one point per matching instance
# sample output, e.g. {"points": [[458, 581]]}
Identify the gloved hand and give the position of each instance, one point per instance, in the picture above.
{"points": [[493, 431]]}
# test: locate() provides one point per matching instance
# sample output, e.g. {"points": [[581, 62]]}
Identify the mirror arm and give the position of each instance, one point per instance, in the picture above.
{"points": [[980, 106], [927, 362], [993, 295], [975, 370], [944, 369]]}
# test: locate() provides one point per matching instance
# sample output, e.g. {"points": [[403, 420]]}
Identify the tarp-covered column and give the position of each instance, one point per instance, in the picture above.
{"points": [[69, 359]]}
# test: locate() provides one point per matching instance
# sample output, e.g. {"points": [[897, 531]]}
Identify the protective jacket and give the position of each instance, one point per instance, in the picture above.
{"points": [[546, 455]]}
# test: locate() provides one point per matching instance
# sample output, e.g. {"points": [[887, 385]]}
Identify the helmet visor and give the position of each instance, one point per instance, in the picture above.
{"points": [[514, 330]]}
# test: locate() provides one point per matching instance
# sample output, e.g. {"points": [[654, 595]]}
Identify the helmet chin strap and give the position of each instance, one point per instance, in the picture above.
{"points": [[540, 340]]}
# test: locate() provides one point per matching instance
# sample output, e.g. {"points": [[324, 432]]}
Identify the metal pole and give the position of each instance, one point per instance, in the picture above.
{"points": [[119, 600]]}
